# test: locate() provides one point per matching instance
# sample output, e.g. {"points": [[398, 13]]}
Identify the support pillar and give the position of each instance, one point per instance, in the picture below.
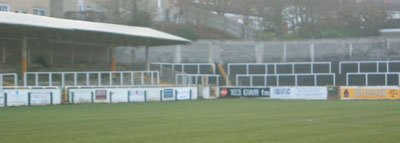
{"points": [[312, 50], [350, 51], [147, 57], [284, 52], [113, 64], [178, 54], [24, 55], [211, 49], [259, 49]]}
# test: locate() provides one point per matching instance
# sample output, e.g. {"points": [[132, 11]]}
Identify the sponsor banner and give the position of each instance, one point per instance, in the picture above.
{"points": [[183, 94], [40, 97], [244, 92], [306, 93], [100, 95], [369, 93], [19, 97], [168, 93], [137, 95]]}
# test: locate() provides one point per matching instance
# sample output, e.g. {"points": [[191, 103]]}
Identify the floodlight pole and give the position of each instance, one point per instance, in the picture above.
{"points": [[24, 55]]}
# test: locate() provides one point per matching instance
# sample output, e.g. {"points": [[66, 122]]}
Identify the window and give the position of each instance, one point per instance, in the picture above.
{"points": [[4, 7], [80, 7], [39, 11], [20, 11], [89, 7]]}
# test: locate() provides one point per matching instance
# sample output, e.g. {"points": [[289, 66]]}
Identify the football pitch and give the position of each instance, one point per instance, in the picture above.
{"points": [[205, 121]]}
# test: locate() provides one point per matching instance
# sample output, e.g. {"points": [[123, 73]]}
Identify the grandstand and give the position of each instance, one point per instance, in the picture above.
{"points": [[367, 73]]}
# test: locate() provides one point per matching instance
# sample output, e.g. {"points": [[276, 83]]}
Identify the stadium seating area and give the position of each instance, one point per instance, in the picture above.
{"points": [[297, 74], [362, 73]]}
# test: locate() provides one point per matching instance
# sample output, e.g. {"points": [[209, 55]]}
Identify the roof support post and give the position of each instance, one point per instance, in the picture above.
{"points": [[113, 64], [24, 54], [147, 56]]}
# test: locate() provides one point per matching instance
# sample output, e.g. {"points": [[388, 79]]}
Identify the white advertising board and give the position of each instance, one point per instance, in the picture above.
{"points": [[19, 97], [80, 96], [152, 94], [305, 93], [183, 94], [137, 95], [186, 92], [40, 97], [101, 96], [119, 95]]}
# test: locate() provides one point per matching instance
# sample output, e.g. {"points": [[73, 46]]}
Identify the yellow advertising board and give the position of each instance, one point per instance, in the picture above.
{"points": [[369, 93]]}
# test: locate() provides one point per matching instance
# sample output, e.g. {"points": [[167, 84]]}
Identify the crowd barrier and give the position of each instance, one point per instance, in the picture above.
{"points": [[30, 96], [78, 95], [35, 96]]}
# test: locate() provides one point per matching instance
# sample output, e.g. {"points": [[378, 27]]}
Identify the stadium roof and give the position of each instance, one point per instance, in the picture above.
{"points": [[131, 35]]}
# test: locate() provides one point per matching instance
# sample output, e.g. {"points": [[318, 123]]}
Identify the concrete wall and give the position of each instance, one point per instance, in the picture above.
{"points": [[267, 52]]}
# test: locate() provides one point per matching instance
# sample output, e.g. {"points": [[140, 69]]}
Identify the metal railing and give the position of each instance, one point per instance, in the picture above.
{"points": [[275, 66], [13, 76], [183, 65], [121, 75], [366, 75], [277, 79], [188, 79], [358, 63]]}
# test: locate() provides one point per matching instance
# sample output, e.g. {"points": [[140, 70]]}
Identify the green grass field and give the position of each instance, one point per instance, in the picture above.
{"points": [[218, 121]]}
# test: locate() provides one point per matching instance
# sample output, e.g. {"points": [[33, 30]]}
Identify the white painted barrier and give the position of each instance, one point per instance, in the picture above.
{"points": [[134, 94], [304, 93], [2, 98], [137, 95], [30, 97], [210, 92]]}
